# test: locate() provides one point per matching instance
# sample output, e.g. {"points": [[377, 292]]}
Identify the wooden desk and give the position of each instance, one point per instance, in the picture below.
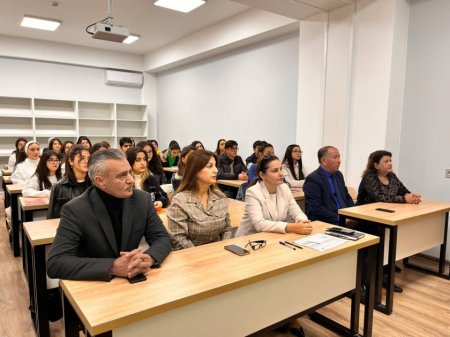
{"points": [[28, 206], [198, 289], [14, 190], [6, 181], [232, 183], [172, 169], [38, 234], [6, 172], [298, 195], [412, 229]]}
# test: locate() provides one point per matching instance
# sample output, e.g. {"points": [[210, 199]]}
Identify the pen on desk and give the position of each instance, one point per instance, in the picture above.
{"points": [[284, 244], [294, 244]]}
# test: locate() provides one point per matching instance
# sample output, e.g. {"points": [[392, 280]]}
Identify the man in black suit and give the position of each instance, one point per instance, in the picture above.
{"points": [[325, 190], [100, 231]]}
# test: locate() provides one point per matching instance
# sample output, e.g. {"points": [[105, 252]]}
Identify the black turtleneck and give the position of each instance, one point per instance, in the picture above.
{"points": [[114, 207]]}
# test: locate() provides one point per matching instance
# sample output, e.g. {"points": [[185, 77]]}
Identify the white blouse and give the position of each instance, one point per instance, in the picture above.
{"points": [[24, 171], [295, 185], [32, 188]]}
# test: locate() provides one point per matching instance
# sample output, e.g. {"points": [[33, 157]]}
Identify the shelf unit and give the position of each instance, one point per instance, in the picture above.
{"points": [[40, 119]]}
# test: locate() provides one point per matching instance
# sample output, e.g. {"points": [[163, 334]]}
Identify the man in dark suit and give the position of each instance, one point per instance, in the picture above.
{"points": [[100, 231], [325, 190]]}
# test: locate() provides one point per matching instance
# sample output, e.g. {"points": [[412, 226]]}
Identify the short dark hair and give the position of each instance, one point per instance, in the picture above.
{"points": [[323, 151], [257, 143], [124, 140], [230, 143], [102, 145]]}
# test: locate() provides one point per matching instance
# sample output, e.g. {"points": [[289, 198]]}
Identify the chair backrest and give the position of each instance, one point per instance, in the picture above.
{"points": [[353, 192]]}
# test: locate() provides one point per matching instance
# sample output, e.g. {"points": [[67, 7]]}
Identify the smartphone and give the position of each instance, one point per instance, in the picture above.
{"points": [[385, 210], [342, 230], [137, 278], [237, 250]]}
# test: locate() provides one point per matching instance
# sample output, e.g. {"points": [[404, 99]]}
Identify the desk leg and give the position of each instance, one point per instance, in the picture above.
{"points": [[40, 291], [443, 249], [379, 266], [29, 274], [370, 291], [391, 269], [356, 296], [70, 318], [26, 216], [15, 225]]}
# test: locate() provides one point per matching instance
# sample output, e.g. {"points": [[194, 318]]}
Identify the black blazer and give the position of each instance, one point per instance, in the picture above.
{"points": [[85, 246], [319, 201]]}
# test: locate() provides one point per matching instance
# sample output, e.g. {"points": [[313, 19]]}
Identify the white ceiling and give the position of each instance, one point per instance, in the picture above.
{"points": [[156, 26]]}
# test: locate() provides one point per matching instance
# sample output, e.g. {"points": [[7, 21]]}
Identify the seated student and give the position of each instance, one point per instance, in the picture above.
{"points": [[172, 155], [18, 155], [48, 172], [155, 147], [231, 167], [74, 182], [199, 211], [270, 207], [67, 145], [325, 190], [125, 143], [380, 184], [25, 170], [85, 141], [103, 145], [254, 156], [293, 168], [196, 144], [55, 144], [265, 149], [99, 233], [143, 179], [178, 176], [154, 162], [220, 148]]}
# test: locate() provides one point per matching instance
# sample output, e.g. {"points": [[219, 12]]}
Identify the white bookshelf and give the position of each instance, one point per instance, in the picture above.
{"points": [[40, 119]]}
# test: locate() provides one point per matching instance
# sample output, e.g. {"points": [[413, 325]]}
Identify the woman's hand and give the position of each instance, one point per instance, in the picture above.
{"points": [[302, 227], [412, 198]]}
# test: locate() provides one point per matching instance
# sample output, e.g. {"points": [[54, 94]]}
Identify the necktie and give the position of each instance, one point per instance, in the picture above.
{"points": [[340, 200]]}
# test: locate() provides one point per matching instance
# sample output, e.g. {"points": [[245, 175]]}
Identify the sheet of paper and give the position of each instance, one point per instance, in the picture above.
{"points": [[320, 242]]}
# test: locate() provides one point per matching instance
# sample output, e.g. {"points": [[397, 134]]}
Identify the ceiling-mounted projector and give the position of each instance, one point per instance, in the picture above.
{"points": [[109, 32], [106, 30]]}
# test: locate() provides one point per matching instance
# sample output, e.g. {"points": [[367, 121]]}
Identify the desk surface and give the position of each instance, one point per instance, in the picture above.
{"points": [[403, 212], [31, 204], [6, 173], [104, 306], [15, 188], [172, 169], [233, 183], [298, 195]]}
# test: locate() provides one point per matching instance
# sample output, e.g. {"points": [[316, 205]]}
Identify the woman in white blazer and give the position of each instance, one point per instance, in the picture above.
{"points": [[270, 207], [269, 204]]}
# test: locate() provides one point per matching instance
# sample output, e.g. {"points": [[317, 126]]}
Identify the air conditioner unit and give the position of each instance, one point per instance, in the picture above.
{"points": [[124, 78]]}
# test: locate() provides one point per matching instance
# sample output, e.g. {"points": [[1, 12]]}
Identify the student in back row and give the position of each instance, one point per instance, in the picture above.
{"points": [[231, 167]]}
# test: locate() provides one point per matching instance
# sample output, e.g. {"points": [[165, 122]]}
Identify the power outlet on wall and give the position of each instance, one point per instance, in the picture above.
{"points": [[447, 173]]}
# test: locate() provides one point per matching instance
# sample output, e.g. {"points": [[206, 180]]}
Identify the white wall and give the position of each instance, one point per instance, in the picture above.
{"points": [[426, 119], [59, 81], [243, 95]]}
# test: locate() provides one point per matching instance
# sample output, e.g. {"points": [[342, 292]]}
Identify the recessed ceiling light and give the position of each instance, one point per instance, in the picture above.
{"points": [[131, 38], [40, 23], [184, 6]]}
